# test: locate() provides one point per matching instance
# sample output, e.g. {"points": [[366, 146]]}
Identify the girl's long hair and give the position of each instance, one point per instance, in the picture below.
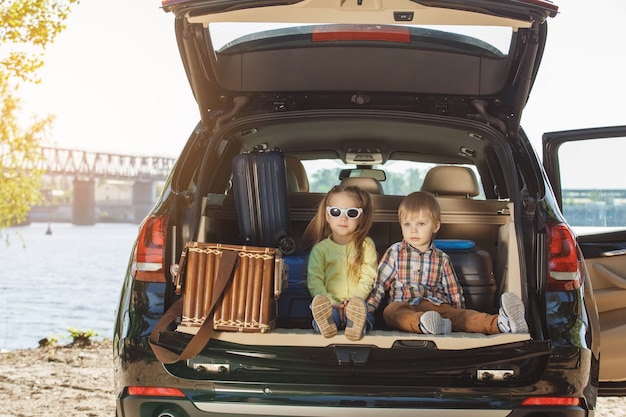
{"points": [[318, 229]]}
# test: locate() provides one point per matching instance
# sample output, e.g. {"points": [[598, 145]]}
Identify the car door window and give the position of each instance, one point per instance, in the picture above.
{"points": [[593, 184]]}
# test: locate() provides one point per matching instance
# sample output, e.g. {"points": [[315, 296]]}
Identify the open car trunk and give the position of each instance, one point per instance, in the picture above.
{"points": [[289, 350]]}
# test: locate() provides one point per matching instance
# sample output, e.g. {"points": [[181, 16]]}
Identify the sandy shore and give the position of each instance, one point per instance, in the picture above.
{"points": [[78, 382], [58, 381]]}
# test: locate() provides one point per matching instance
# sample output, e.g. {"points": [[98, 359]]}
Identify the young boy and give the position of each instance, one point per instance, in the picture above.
{"points": [[424, 294]]}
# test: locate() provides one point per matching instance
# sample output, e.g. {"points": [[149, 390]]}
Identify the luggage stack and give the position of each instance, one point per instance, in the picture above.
{"points": [[474, 270], [295, 299]]}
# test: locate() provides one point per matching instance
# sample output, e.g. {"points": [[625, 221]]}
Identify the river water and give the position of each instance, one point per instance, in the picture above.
{"points": [[70, 278]]}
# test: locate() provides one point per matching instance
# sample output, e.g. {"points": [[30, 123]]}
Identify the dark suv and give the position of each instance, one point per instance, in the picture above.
{"points": [[395, 96]]}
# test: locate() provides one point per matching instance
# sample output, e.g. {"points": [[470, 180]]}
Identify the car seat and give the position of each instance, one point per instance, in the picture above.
{"points": [[451, 181], [368, 184]]}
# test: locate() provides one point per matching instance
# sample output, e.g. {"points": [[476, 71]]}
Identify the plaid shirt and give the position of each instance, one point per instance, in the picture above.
{"points": [[411, 276]]}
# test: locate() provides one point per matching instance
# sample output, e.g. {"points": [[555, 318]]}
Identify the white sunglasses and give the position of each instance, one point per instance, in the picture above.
{"points": [[351, 213]]}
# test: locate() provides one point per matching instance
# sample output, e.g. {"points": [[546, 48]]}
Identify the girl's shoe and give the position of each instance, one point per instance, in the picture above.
{"points": [[356, 313], [323, 316]]}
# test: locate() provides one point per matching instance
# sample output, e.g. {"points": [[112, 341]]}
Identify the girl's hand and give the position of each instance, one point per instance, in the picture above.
{"points": [[340, 307]]}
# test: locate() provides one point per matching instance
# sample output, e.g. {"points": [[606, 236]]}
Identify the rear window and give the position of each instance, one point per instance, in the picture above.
{"points": [[402, 177], [493, 41]]}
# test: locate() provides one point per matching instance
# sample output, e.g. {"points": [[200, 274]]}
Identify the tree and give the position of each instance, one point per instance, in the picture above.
{"points": [[404, 183], [28, 26], [324, 179]]}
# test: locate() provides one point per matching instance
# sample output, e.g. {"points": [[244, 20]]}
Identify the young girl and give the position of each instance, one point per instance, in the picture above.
{"points": [[342, 264]]}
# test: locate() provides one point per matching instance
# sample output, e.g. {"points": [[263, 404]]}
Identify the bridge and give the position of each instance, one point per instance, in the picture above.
{"points": [[89, 164], [85, 167]]}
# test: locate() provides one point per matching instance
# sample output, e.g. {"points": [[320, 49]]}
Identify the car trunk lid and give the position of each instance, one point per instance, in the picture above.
{"points": [[484, 52]]}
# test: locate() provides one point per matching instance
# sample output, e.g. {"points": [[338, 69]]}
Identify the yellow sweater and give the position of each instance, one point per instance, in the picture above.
{"points": [[329, 265]]}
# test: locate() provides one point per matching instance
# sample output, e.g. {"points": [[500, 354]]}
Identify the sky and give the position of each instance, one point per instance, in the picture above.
{"points": [[115, 82]]}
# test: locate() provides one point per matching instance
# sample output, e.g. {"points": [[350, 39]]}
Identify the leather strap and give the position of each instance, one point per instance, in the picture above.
{"points": [[201, 338], [182, 264]]}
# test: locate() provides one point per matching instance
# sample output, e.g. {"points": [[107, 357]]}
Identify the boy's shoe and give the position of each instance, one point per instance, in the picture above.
{"points": [[323, 315], [511, 315], [356, 313], [431, 322]]}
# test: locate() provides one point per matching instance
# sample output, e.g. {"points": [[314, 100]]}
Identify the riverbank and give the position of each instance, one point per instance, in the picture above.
{"points": [[77, 381], [69, 381]]}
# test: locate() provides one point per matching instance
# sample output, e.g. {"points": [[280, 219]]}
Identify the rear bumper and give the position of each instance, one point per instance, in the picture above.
{"points": [[212, 398], [129, 406]]}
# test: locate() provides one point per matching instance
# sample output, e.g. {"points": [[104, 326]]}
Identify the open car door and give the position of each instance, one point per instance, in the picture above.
{"points": [[587, 170]]}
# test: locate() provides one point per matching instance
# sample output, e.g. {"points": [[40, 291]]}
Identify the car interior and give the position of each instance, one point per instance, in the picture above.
{"points": [[480, 218]]}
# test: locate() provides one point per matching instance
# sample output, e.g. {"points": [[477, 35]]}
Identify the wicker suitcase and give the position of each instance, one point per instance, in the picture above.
{"points": [[248, 303]]}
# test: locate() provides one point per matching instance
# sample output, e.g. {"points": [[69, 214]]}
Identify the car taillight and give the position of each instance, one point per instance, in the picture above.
{"points": [[563, 262], [361, 33], [551, 401], [149, 260], [155, 391]]}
